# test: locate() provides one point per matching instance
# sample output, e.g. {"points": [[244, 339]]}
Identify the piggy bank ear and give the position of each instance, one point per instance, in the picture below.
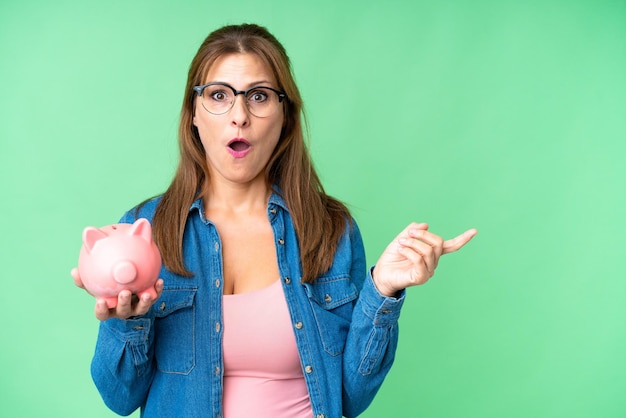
{"points": [[91, 235], [142, 228]]}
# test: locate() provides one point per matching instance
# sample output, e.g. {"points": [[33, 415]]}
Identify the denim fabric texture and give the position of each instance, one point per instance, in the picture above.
{"points": [[169, 362]]}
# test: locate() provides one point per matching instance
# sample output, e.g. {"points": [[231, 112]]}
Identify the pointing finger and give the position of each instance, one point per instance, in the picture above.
{"points": [[458, 242]]}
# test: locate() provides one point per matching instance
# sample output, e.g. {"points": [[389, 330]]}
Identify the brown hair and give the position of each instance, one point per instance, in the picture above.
{"points": [[319, 219]]}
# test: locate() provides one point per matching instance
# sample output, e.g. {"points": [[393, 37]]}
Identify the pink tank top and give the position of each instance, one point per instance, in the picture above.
{"points": [[262, 372]]}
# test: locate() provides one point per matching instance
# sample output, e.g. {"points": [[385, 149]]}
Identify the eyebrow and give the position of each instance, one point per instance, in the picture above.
{"points": [[253, 84]]}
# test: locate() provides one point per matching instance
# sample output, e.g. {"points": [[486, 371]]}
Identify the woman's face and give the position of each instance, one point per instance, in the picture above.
{"points": [[238, 144]]}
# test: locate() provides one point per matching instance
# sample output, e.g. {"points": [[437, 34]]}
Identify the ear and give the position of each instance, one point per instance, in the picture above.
{"points": [[193, 110], [142, 228], [91, 235]]}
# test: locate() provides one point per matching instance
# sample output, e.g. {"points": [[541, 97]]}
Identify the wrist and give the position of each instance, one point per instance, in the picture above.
{"points": [[383, 288]]}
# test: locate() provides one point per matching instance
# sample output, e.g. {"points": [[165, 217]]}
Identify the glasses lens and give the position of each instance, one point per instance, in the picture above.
{"points": [[217, 99], [262, 102]]}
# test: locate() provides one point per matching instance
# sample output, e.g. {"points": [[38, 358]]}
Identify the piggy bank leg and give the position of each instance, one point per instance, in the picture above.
{"points": [[150, 292], [110, 301]]}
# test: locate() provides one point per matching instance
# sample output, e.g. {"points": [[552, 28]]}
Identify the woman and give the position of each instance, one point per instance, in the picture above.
{"points": [[265, 306]]}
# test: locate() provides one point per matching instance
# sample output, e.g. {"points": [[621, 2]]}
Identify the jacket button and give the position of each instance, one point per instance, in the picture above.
{"points": [[162, 307], [281, 241], [327, 298], [217, 283], [273, 211], [320, 416], [298, 325], [308, 369], [287, 280], [217, 327]]}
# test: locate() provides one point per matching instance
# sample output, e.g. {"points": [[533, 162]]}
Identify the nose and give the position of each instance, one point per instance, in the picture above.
{"points": [[239, 113]]}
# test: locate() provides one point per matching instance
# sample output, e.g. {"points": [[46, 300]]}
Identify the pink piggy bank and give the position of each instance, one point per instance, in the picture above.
{"points": [[118, 257]]}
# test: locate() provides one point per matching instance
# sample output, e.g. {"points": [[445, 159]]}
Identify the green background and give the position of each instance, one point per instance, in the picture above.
{"points": [[505, 116]]}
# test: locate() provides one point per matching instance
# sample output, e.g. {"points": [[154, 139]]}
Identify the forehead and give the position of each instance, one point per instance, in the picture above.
{"points": [[240, 70]]}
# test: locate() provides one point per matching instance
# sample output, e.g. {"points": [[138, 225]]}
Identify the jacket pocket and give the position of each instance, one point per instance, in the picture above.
{"points": [[331, 301], [174, 331]]}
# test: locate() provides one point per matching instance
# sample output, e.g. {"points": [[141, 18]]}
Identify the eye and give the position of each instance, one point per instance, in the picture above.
{"points": [[258, 96], [219, 95]]}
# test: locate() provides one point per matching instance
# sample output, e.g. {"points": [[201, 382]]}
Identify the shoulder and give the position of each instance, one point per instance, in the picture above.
{"points": [[145, 209], [351, 238]]}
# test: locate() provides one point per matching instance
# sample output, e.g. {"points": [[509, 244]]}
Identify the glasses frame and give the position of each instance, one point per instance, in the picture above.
{"points": [[200, 89]]}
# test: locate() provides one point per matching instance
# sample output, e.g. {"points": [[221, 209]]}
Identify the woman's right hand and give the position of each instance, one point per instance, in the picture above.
{"points": [[127, 304]]}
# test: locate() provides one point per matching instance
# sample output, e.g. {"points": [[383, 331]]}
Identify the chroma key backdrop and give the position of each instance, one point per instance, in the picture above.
{"points": [[509, 117]]}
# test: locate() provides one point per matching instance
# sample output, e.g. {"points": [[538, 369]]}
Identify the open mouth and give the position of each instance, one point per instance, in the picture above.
{"points": [[239, 145]]}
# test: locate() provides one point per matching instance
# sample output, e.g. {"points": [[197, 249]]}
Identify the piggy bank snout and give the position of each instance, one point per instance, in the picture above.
{"points": [[124, 272]]}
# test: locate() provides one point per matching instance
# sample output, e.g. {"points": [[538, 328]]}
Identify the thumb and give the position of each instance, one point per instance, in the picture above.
{"points": [[77, 280]]}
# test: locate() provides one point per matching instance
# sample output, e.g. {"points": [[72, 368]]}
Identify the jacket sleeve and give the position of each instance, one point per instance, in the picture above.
{"points": [[372, 339], [122, 367]]}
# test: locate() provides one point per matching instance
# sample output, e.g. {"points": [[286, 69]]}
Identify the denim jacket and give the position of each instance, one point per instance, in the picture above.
{"points": [[169, 361]]}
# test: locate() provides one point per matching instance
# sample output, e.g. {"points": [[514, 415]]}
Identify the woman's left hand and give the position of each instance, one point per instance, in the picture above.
{"points": [[412, 257]]}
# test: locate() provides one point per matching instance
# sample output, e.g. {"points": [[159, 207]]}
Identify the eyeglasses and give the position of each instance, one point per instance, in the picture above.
{"points": [[219, 98]]}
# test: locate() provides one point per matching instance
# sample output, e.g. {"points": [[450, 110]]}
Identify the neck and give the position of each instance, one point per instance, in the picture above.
{"points": [[236, 198]]}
